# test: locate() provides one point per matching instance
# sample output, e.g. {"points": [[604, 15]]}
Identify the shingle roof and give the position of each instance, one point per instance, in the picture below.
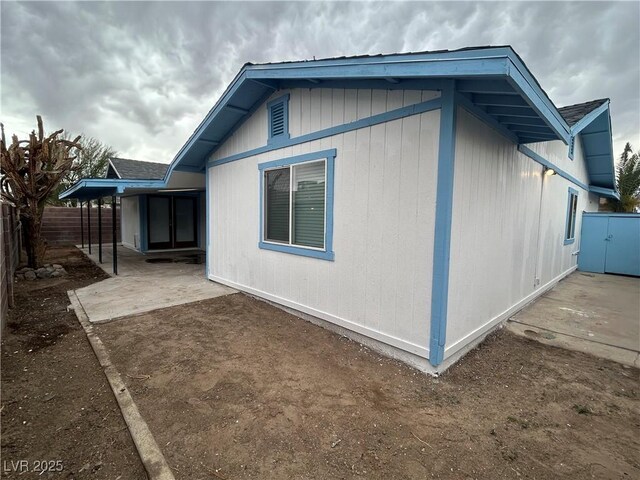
{"points": [[136, 169], [574, 113]]}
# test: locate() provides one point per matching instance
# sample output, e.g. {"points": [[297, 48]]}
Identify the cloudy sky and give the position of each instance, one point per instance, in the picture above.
{"points": [[141, 76]]}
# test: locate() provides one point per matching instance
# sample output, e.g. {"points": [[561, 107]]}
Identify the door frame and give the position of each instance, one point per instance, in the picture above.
{"points": [[187, 244], [159, 245], [172, 243]]}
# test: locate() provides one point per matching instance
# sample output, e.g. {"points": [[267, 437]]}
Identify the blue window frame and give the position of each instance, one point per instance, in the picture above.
{"points": [[278, 113], [296, 204], [572, 212]]}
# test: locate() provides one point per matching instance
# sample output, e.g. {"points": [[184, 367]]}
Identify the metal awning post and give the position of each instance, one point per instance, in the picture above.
{"points": [[113, 231], [89, 224], [100, 230], [81, 227]]}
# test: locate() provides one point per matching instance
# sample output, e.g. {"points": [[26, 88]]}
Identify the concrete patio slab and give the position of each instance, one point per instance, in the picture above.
{"points": [[592, 313], [142, 286]]}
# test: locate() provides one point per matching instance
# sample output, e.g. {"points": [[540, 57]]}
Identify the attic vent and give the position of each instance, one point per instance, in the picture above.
{"points": [[278, 118]]}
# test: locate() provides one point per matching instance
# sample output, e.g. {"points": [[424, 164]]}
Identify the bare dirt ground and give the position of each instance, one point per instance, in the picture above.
{"points": [[235, 388], [56, 402]]}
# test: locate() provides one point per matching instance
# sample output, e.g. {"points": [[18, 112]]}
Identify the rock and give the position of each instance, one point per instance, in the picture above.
{"points": [[57, 266], [30, 275], [56, 273], [47, 265], [41, 270], [43, 274], [20, 276]]}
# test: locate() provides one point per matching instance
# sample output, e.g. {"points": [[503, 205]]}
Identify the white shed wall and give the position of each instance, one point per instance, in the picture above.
{"points": [[385, 184], [130, 222], [311, 110], [504, 233]]}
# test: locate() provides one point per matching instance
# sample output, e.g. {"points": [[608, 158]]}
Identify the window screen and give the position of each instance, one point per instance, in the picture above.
{"points": [[277, 205], [295, 204]]}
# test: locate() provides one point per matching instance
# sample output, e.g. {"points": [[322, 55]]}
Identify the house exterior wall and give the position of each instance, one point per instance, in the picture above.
{"points": [[379, 284], [185, 180], [508, 227], [130, 221], [311, 110]]}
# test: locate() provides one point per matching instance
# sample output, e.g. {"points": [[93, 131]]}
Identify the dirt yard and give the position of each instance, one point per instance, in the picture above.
{"points": [[234, 388], [56, 402]]}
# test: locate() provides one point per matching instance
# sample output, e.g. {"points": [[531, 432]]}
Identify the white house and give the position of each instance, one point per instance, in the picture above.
{"points": [[411, 201]]}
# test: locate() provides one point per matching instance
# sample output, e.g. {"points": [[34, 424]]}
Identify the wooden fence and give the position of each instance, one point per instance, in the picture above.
{"points": [[10, 237], [61, 225]]}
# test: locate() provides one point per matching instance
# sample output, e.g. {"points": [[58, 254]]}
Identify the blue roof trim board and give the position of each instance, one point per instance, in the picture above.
{"points": [[491, 82], [91, 188]]}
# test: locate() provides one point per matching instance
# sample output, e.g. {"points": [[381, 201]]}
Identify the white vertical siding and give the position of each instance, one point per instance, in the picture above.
{"points": [[508, 227], [130, 222], [315, 109], [380, 282]]}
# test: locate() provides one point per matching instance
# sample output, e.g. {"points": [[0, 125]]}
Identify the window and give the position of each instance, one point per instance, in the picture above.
{"points": [[278, 113], [297, 204], [572, 211]]}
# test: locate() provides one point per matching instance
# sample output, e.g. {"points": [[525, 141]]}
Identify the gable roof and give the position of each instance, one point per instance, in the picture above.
{"points": [[493, 78], [574, 113], [135, 169]]}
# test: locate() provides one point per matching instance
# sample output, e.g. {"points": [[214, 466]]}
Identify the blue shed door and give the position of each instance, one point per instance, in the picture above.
{"points": [[593, 243], [610, 243], [623, 250]]}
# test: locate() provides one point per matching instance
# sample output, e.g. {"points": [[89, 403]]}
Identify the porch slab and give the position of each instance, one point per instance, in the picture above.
{"points": [[143, 286], [593, 313]]}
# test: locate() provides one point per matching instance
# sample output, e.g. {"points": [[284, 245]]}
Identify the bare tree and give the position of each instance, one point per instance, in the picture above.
{"points": [[92, 162], [31, 169]]}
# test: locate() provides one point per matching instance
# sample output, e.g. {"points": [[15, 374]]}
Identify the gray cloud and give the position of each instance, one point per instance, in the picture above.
{"points": [[141, 76]]}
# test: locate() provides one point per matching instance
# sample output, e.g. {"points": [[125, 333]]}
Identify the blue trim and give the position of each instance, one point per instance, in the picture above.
{"points": [[568, 241], [118, 185], [522, 80], [144, 234], [546, 163], [305, 252], [327, 132], [327, 253], [207, 224], [572, 146], [278, 139], [605, 192], [485, 117], [305, 157], [611, 214], [588, 118], [442, 234]]}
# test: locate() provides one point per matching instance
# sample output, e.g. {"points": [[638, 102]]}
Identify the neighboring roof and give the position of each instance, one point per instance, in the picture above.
{"points": [[136, 169], [574, 113]]}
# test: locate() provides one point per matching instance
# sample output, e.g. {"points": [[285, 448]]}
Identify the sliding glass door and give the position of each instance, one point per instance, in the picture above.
{"points": [[172, 222]]}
